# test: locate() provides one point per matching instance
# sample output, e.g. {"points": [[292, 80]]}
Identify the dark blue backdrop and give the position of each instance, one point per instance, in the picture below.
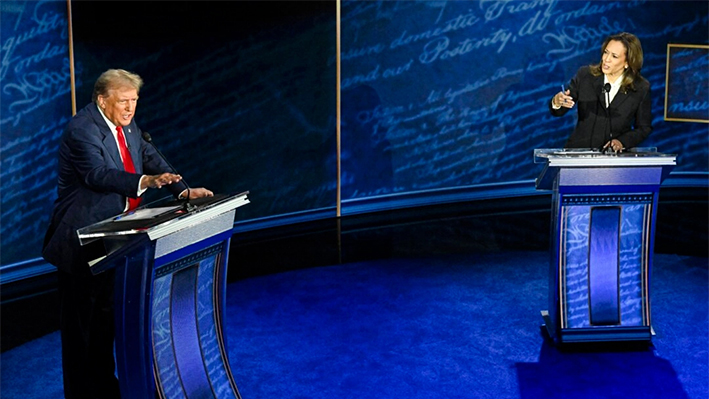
{"points": [[242, 96], [35, 105]]}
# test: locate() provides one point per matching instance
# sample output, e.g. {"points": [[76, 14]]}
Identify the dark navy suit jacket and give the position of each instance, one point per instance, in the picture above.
{"points": [[628, 118], [92, 184]]}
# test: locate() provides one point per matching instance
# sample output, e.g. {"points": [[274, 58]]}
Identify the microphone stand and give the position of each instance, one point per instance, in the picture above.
{"points": [[607, 91], [188, 206]]}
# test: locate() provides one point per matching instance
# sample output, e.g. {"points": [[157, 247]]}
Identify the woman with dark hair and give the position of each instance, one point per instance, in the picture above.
{"points": [[614, 103]]}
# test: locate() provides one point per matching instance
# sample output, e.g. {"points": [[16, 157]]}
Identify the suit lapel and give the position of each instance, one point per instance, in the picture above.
{"points": [[108, 139], [110, 143], [619, 98], [598, 87]]}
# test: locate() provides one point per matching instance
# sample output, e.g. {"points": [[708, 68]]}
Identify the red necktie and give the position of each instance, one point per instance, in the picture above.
{"points": [[127, 164]]}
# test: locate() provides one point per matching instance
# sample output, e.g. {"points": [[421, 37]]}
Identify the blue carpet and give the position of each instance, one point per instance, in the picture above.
{"points": [[453, 326]]}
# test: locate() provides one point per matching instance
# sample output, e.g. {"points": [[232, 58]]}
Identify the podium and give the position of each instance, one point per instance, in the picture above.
{"points": [[170, 262], [602, 240]]}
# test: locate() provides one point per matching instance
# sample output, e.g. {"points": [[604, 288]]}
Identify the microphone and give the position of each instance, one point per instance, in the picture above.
{"points": [[149, 140], [607, 90]]}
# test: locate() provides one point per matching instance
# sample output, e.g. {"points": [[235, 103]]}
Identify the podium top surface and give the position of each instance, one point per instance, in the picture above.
{"points": [[162, 217], [559, 157]]}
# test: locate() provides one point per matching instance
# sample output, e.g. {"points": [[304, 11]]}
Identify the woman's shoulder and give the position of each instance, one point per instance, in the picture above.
{"points": [[584, 71], [642, 83]]}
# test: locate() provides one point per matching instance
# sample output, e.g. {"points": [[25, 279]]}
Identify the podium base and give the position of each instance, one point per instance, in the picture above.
{"points": [[595, 334]]}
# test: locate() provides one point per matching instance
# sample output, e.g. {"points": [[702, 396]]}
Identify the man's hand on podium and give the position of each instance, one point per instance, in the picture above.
{"points": [[195, 193], [157, 181]]}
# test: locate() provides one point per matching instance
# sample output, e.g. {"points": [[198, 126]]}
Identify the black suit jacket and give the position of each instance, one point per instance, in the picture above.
{"points": [[628, 119], [92, 184]]}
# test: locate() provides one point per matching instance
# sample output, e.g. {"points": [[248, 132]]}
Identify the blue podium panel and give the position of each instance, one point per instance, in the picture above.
{"points": [[188, 346], [602, 242], [133, 351], [603, 268], [603, 261]]}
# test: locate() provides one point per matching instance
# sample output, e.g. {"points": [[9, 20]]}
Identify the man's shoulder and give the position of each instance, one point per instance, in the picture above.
{"points": [[84, 123], [86, 116], [89, 111]]}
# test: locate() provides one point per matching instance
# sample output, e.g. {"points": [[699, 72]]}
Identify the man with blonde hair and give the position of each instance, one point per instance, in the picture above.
{"points": [[104, 168]]}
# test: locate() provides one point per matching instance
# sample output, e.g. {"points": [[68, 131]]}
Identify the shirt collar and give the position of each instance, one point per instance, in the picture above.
{"points": [[617, 82]]}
